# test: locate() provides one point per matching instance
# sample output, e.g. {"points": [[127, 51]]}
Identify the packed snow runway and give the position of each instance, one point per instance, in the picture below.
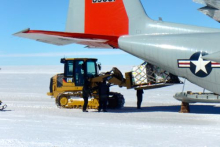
{"points": [[33, 120]]}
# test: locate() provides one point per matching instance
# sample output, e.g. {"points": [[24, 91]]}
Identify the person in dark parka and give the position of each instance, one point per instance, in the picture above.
{"points": [[103, 96], [86, 94], [139, 97]]}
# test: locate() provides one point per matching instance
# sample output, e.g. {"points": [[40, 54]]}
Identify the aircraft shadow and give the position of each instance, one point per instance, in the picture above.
{"points": [[199, 109]]}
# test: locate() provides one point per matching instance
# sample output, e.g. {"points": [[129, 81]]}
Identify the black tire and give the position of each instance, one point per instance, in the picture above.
{"points": [[116, 101]]}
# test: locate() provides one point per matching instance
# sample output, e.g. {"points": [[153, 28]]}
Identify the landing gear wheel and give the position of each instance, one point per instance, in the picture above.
{"points": [[61, 101], [116, 101]]}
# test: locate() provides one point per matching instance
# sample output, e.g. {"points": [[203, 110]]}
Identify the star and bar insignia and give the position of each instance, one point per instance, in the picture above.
{"points": [[198, 65]]}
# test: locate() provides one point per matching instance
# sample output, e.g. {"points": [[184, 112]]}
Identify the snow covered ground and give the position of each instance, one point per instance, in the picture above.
{"points": [[33, 120]]}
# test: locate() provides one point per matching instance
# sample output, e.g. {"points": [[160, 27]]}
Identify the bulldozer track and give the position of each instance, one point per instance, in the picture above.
{"points": [[65, 100]]}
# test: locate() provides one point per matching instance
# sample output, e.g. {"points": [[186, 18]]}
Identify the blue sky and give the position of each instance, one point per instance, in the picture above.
{"points": [[51, 15]]}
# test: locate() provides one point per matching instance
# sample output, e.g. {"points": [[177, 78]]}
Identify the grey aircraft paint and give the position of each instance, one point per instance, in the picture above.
{"points": [[76, 15], [163, 44], [140, 23], [165, 51]]}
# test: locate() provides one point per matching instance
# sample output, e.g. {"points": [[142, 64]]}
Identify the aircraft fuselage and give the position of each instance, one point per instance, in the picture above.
{"points": [[180, 54]]}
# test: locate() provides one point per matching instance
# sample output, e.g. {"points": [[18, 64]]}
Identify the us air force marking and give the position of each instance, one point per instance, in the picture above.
{"points": [[198, 66]]}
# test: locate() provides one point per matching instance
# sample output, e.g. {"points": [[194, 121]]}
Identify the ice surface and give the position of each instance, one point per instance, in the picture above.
{"points": [[33, 120]]}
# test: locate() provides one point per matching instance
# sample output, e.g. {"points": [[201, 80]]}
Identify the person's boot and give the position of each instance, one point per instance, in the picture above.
{"points": [[105, 110], [85, 111]]}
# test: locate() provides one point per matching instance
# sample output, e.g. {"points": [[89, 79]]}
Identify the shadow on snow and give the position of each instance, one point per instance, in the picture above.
{"points": [[199, 109]]}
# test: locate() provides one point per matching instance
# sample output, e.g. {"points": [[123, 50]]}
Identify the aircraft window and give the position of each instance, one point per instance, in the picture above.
{"points": [[69, 69], [91, 68]]}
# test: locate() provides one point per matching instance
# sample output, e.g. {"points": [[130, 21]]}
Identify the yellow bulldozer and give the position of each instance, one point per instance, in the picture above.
{"points": [[67, 87]]}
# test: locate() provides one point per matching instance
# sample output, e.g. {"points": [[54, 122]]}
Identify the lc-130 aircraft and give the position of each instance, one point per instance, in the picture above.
{"points": [[187, 51]]}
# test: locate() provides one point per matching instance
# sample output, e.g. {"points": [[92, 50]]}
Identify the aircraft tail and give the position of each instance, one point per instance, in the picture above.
{"points": [[96, 24], [105, 17]]}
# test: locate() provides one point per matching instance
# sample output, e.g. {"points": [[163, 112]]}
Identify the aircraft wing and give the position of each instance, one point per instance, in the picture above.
{"points": [[211, 9], [64, 38]]}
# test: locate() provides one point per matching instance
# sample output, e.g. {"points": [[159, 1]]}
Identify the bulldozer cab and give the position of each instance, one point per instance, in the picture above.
{"points": [[77, 69]]}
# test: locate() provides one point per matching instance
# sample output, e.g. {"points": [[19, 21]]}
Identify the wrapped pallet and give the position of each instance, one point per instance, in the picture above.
{"points": [[139, 75], [148, 74], [161, 76]]}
